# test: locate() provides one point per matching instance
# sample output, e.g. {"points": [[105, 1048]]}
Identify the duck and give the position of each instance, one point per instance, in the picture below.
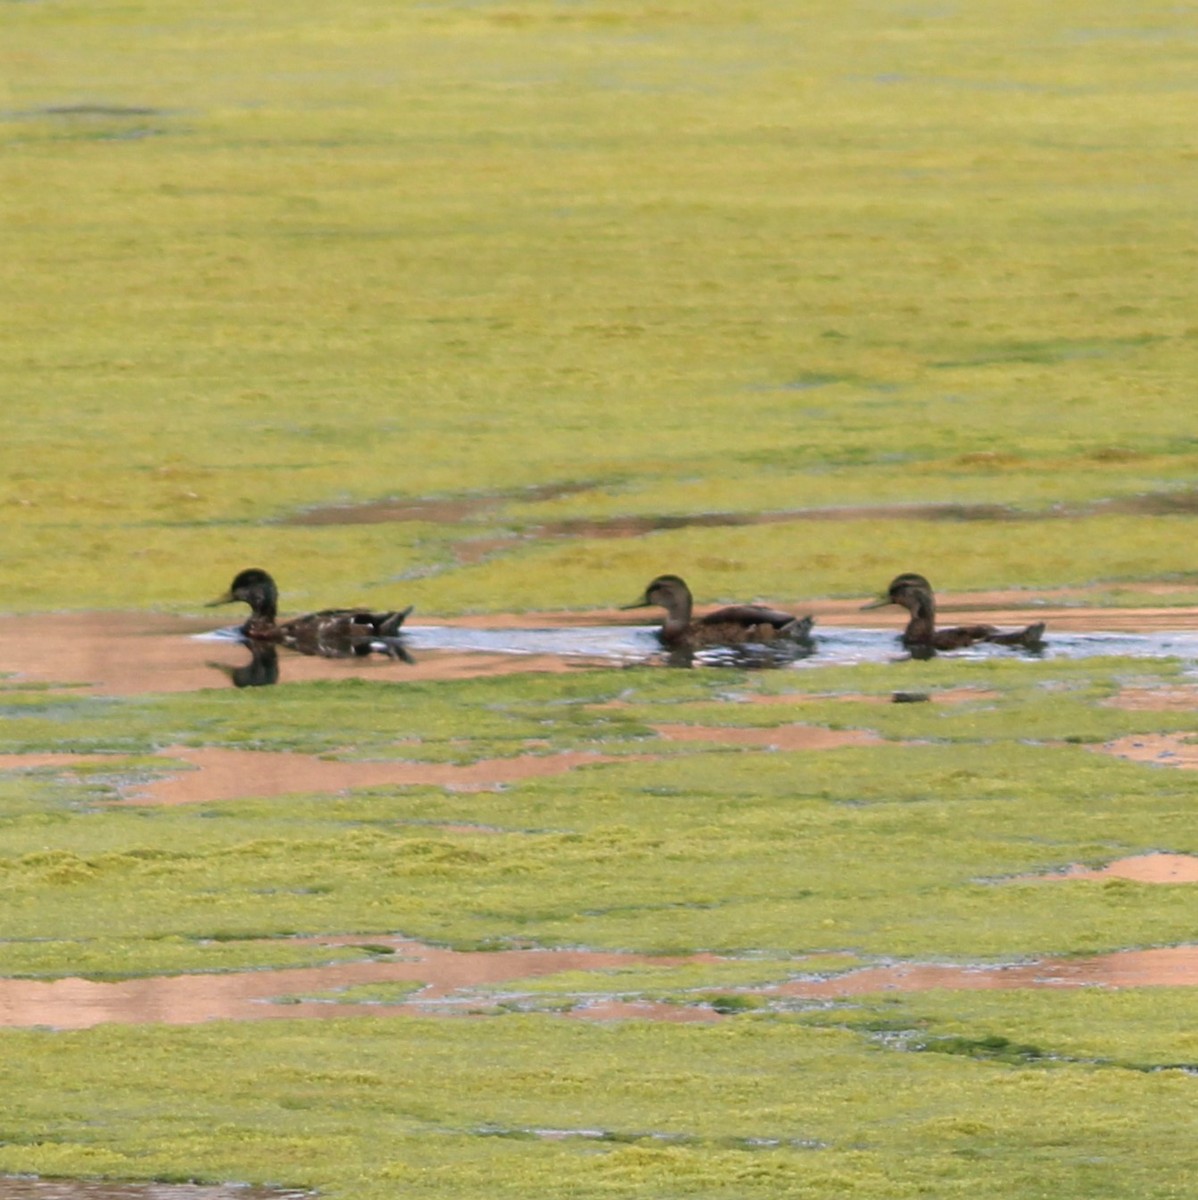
{"points": [[914, 593], [730, 626], [330, 633]]}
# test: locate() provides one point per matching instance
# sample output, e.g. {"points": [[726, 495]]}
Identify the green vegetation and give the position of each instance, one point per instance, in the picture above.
{"points": [[520, 264], [751, 1108], [887, 850], [735, 257], [364, 993], [786, 863]]}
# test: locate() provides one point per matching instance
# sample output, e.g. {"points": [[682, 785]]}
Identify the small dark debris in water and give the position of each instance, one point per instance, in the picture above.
{"points": [[25, 1187], [910, 697]]}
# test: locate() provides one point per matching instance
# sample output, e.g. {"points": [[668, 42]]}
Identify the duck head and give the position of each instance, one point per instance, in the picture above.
{"points": [[910, 591], [255, 588], [668, 592]]}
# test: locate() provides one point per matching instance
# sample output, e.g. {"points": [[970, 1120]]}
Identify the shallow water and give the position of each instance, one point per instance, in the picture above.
{"points": [[832, 646], [131, 653]]}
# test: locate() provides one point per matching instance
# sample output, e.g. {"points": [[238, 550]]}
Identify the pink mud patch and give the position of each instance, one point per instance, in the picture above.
{"points": [[232, 774], [1170, 699], [1174, 966], [215, 773], [448, 978], [1166, 749], [127, 654], [1139, 868], [222, 774]]}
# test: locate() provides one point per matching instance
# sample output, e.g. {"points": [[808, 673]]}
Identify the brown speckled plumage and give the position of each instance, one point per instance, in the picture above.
{"points": [[732, 626], [914, 593]]}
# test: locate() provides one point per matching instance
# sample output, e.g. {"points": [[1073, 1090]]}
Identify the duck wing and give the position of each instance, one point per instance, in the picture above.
{"points": [[342, 633], [750, 616], [385, 624], [328, 634], [756, 623]]}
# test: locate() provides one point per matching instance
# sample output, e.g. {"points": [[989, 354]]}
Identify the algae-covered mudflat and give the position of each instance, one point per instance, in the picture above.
{"points": [[763, 887], [496, 307], [672, 259]]}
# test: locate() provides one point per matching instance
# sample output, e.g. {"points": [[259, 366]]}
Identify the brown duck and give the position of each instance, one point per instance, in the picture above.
{"points": [[914, 593], [331, 633], [730, 626]]}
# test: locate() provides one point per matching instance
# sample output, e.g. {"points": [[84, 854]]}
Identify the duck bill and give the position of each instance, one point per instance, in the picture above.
{"points": [[227, 598], [643, 602], [884, 602]]}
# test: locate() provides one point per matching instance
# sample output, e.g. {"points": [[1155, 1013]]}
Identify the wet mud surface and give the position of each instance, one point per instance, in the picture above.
{"points": [[1164, 749], [1140, 868], [24, 1188], [450, 981], [211, 774], [1170, 699], [117, 653], [441, 510], [451, 984], [489, 507], [1172, 966], [232, 774]]}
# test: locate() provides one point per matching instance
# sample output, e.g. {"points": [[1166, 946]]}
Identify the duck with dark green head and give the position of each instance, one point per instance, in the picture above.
{"points": [[732, 626], [914, 593], [330, 633]]}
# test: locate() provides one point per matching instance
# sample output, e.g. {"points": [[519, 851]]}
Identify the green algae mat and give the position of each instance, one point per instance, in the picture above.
{"points": [[549, 282], [929, 846], [674, 259]]}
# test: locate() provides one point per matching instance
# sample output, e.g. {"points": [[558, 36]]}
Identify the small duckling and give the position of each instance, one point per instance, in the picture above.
{"points": [[331, 633], [725, 627], [914, 593]]}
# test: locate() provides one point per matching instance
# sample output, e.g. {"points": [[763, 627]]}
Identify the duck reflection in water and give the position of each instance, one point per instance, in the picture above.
{"points": [[741, 658], [263, 668], [261, 671]]}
